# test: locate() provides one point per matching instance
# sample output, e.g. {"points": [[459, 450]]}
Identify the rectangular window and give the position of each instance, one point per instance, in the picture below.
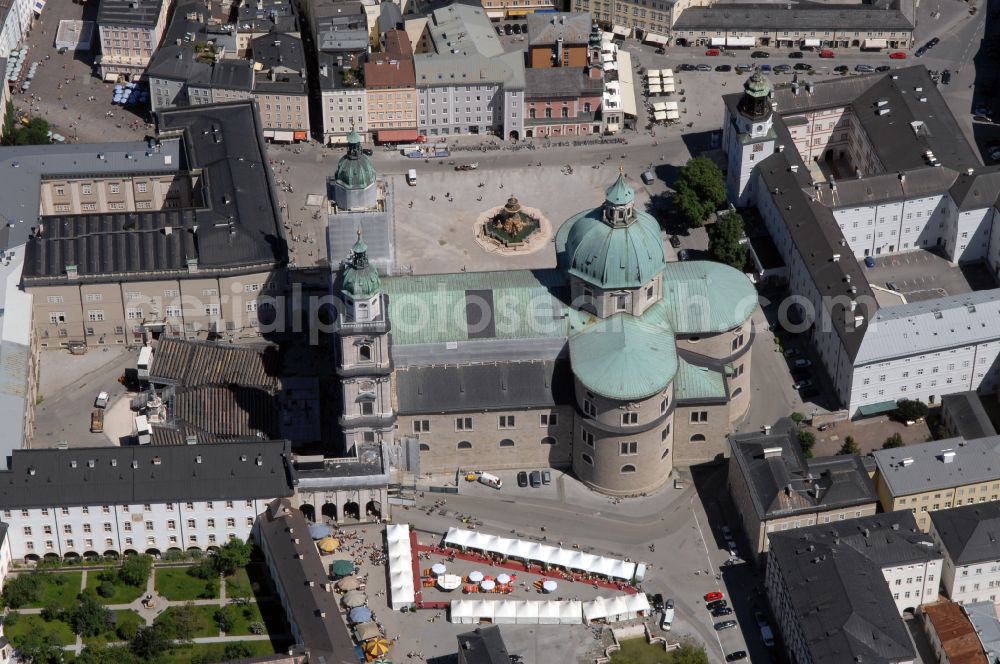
{"points": [[630, 418], [629, 448], [699, 416], [549, 419], [95, 315], [463, 424], [421, 426], [505, 421]]}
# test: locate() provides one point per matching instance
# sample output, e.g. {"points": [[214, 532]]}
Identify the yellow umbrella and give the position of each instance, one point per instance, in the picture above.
{"points": [[329, 544], [376, 647]]}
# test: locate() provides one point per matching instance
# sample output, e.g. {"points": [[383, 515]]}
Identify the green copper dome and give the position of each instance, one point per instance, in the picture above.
{"points": [[361, 280], [620, 193], [613, 246], [355, 170], [757, 85]]}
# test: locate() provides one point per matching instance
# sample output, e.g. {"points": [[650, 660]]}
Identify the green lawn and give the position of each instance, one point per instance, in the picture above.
{"points": [[245, 615], [637, 651], [214, 651], [124, 594], [240, 581], [60, 588], [56, 631], [177, 585], [111, 636], [204, 624]]}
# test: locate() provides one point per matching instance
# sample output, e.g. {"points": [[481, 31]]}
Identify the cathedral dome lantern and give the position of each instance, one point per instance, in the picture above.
{"points": [[756, 101], [361, 285], [354, 184]]}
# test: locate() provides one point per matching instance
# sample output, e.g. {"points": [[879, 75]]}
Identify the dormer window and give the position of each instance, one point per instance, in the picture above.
{"points": [[621, 301]]}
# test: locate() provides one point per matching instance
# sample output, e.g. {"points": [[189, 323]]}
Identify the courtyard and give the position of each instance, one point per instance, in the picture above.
{"points": [[924, 275]]}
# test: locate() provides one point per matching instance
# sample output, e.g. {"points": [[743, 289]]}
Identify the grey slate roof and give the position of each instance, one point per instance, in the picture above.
{"points": [[556, 82], [975, 461], [258, 16], [283, 64], [789, 484], [238, 230], [970, 533], [376, 227], [469, 68], [464, 28], [968, 415], [298, 570], [195, 363], [483, 645], [983, 616], [24, 166], [547, 28], [225, 411], [389, 17], [140, 13], [482, 387], [977, 191], [339, 25], [807, 16], [833, 573], [146, 474]]}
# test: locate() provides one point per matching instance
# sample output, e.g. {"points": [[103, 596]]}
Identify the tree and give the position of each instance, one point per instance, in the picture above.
{"points": [[231, 556], [89, 617], [98, 653], [700, 189], [106, 589], [226, 617], [724, 241], [849, 446], [910, 410], [35, 648], [807, 440], [22, 589], [135, 570], [236, 651], [150, 642], [689, 653], [797, 417], [180, 622], [893, 441]]}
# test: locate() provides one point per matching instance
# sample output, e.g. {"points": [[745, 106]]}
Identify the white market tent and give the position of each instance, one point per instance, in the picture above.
{"points": [[670, 106], [673, 115], [400, 566], [521, 612], [655, 89], [548, 613], [615, 609], [471, 611], [659, 115], [505, 612], [668, 88], [541, 553], [527, 613], [570, 613], [660, 106], [667, 73]]}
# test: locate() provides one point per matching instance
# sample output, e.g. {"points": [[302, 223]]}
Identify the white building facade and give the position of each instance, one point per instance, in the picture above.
{"points": [[971, 570], [15, 25]]}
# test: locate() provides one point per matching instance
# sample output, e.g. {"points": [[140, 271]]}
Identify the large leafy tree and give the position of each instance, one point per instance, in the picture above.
{"points": [[135, 570], [701, 190], [231, 556], [724, 240]]}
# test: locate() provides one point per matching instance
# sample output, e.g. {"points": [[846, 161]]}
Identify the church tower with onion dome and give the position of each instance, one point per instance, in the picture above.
{"points": [[748, 136]]}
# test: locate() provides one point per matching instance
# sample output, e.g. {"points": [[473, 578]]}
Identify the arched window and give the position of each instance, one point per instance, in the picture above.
{"points": [[365, 353], [531, 113], [565, 112], [698, 438], [506, 442], [737, 392], [628, 468], [586, 107], [548, 440], [587, 459], [424, 447], [548, 112], [465, 445]]}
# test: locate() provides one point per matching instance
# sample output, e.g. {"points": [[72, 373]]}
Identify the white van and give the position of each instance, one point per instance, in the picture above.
{"points": [[411, 177], [668, 619], [490, 480]]}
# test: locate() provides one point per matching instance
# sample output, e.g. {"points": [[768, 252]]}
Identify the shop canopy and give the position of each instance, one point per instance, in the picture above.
{"points": [[655, 39], [342, 568], [397, 532], [877, 408], [810, 43], [875, 44], [541, 553], [659, 115], [740, 42], [619, 31], [668, 88]]}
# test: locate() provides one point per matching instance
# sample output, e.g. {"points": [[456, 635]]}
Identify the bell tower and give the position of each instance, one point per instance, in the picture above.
{"points": [[748, 136], [363, 360]]}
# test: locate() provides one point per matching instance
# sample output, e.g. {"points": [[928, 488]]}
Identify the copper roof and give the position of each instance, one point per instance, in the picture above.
{"points": [[956, 633]]}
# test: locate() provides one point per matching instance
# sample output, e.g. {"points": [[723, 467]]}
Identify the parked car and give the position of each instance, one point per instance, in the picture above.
{"points": [[717, 604], [687, 66], [882, 68], [760, 54], [743, 68], [841, 69], [657, 602], [802, 363], [703, 67], [946, 76], [796, 55], [736, 656], [648, 177], [522, 479], [667, 621], [864, 69], [827, 53], [932, 43], [897, 55], [765, 68], [802, 66], [722, 611], [724, 68], [670, 603], [675, 241], [517, 29], [725, 624], [507, 29], [713, 596], [102, 400], [713, 51], [546, 477], [536, 479], [782, 69], [920, 51], [802, 384]]}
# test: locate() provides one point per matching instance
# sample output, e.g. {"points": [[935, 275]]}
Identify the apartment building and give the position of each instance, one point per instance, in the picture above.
{"points": [[775, 488], [967, 536], [390, 90], [16, 17], [918, 186], [158, 279], [19, 360], [138, 499], [130, 31], [560, 101], [281, 88], [825, 582], [516, 9], [942, 474], [649, 20], [261, 17], [559, 40], [469, 84], [342, 99], [339, 27]]}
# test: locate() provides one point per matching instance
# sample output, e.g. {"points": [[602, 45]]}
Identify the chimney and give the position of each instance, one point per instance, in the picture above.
{"points": [[947, 456], [71, 272], [771, 452], [794, 168], [908, 461], [559, 51], [836, 258], [192, 264], [167, 230]]}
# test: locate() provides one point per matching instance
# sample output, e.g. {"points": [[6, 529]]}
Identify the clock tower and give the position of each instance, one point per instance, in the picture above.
{"points": [[748, 135]]}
